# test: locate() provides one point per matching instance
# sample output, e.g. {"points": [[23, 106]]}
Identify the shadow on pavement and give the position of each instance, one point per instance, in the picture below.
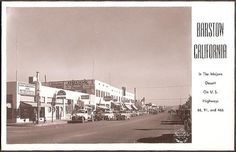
{"points": [[153, 129], [165, 138], [172, 122]]}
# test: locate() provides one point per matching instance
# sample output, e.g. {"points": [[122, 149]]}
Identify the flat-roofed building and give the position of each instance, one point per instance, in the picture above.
{"points": [[21, 104]]}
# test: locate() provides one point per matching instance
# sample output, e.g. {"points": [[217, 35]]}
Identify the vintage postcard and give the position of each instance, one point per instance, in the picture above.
{"points": [[118, 76]]}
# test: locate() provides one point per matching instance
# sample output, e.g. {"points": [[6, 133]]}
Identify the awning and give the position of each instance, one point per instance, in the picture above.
{"points": [[102, 107], [34, 104], [116, 103], [134, 107], [128, 107], [89, 106]]}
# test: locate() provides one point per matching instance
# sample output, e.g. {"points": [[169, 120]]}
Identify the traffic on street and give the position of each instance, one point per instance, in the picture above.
{"points": [[114, 131]]}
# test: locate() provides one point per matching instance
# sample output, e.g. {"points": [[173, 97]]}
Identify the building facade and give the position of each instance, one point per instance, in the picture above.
{"points": [[104, 93], [21, 104], [59, 98]]}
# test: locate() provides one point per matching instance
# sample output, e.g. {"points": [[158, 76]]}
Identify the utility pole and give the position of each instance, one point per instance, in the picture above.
{"points": [[135, 94], [37, 96]]}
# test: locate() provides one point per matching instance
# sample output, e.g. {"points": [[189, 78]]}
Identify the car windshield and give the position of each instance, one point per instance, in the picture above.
{"points": [[108, 111]]}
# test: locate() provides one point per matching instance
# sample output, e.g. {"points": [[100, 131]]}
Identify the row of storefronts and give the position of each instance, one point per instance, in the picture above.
{"points": [[58, 103]]}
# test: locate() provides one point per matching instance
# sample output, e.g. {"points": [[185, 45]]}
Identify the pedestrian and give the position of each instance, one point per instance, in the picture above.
{"points": [[34, 116]]}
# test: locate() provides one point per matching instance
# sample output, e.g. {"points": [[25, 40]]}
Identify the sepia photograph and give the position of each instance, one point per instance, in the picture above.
{"points": [[98, 75], [118, 76]]}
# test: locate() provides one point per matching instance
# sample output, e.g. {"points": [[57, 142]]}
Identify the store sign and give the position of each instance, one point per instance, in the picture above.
{"points": [[26, 89], [79, 85], [73, 85], [61, 94], [107, 98], [84, 96]]}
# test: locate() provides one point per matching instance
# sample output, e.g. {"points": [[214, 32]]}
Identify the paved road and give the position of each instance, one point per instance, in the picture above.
{"points": [[127, 131]]}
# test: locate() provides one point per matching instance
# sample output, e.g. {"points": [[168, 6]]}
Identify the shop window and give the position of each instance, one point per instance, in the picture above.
{"points": [[42, 112]]}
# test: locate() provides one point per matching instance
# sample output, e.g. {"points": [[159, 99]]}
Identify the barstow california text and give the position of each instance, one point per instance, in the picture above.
{"points": [[211, 51]]}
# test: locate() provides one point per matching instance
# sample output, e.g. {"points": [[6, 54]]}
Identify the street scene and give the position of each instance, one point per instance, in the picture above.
{"points": [[98, 75], [148, 128]]}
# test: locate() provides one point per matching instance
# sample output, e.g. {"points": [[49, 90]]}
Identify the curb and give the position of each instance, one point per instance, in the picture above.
{"points": [[36, 125]]}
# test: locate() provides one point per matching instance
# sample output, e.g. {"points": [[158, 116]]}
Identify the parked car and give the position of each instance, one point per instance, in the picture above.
{"points": [[123, 116], [108, 115], [98, 116], [82, 115], [134, 114]]}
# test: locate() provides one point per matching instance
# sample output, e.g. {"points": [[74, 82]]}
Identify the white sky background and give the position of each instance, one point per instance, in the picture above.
{"points": [[146, 48]]}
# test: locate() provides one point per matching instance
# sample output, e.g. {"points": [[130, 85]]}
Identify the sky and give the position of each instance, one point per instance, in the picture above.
{"points": [[144, 48]]}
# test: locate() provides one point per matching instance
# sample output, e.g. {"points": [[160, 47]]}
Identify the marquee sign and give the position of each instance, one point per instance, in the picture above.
{"points": [[26, 89], [61, 94]]}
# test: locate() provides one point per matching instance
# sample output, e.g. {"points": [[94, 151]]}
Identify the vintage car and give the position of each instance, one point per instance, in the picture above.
{"points": [[108, 115], [123, 116], [82, 115], [134, 114], [98, 116]]}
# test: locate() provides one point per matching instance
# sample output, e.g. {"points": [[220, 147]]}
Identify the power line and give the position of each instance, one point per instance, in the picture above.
{"points": [[174, 86], [169, 99]]}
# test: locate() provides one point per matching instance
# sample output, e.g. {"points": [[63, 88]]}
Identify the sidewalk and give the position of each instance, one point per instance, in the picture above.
{"points": [[28, 124]]}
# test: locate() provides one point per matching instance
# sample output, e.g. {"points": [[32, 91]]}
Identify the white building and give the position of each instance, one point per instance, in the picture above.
{"points": [[21, 104], [104, 92]]}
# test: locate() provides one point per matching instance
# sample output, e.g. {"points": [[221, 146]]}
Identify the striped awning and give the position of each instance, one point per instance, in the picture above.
{"points": [[134, 107], [128, 107]]}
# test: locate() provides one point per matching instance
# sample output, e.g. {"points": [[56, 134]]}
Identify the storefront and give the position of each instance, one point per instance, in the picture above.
{"points": [[55, 104]]}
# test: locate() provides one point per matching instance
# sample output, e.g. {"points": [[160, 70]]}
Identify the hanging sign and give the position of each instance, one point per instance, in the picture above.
{"points": [[61, 94]]}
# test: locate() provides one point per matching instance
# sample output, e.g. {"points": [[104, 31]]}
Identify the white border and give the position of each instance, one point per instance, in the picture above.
{"points": [[191, 146]]}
